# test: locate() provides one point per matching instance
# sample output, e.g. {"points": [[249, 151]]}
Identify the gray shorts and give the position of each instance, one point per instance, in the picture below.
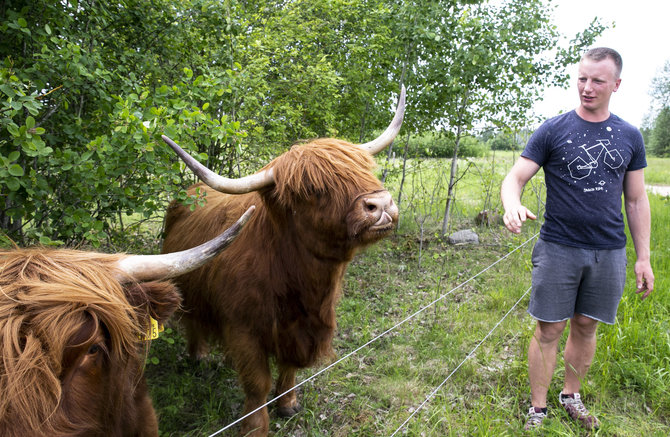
{"points": [[569, 280]]}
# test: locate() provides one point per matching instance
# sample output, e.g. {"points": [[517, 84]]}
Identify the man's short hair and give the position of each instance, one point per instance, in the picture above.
{"points": [[599, 53]]}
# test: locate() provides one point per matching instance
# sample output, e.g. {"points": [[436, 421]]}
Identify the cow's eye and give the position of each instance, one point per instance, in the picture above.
{"points": [[94, 349]]}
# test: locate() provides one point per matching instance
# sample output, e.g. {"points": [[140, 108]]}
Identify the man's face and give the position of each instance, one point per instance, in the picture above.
{"points": [[596, 81]]}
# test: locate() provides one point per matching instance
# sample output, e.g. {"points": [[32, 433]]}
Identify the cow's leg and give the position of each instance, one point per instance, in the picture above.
{"points": [[254, 374], [288, 404], [198, 347]]}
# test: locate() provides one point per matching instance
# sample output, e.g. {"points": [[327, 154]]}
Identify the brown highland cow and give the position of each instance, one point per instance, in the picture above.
{"points": [[73, 329], [273, 292]]}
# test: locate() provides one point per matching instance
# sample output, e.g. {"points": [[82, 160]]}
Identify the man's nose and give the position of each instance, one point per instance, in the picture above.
{"points": [[588, 85]]}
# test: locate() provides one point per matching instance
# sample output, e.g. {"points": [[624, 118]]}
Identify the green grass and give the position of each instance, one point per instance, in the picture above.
{"points": [[374, 391], [658, 171]]}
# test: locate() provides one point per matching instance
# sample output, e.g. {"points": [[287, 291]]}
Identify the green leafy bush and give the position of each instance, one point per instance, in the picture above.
{"points": [[433, 145]]}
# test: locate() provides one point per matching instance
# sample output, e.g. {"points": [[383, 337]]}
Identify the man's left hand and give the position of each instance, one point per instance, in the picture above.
{"points": [[644, 278]]}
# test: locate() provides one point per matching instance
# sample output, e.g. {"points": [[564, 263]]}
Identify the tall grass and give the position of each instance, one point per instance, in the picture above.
{"points": [[458, 304]]}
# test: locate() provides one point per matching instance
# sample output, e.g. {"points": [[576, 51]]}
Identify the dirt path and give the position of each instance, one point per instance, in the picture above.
{"points": [[663, 190]]}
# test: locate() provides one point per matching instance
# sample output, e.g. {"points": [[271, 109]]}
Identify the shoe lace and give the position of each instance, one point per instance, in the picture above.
{"points": [[581, 409], [578, 405]]}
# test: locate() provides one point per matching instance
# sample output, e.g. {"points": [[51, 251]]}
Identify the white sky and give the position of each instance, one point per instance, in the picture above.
{"points": [[641, 35]]}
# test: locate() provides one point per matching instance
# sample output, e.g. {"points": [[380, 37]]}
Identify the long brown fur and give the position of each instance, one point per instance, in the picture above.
{"points": [[273, 292], [53, 305], [324, 165]]}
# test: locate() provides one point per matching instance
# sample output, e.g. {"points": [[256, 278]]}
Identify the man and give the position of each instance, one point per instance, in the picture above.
{"points": [[590, 157]]}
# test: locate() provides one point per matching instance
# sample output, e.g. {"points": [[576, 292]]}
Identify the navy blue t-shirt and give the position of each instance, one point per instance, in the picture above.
{"points": [[584, 166]]}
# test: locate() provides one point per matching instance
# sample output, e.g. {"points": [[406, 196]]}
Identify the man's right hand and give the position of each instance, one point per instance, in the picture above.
{"points": [[510, 194], [516, 216]]}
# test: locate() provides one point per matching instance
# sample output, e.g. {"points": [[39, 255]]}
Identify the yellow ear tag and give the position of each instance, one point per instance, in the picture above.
{"points": [[154, 329]]}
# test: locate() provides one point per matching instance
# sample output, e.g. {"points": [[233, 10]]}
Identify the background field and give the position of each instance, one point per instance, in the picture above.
{"points": [[467, 343]]}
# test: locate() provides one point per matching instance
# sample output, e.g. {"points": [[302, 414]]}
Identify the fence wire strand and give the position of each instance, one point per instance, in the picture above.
{"points": [[434, 392], [391, 329]]}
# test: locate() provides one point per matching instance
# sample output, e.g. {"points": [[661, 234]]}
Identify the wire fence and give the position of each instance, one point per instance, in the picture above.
{"points": [[432, 394], [393, 328]]}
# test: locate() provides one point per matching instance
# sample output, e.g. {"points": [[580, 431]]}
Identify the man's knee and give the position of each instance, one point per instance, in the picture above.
{"points": [[549, 332], [583, 325]]}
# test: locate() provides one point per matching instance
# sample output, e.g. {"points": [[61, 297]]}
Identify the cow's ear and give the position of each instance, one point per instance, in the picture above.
{"points": [[160, 298]]}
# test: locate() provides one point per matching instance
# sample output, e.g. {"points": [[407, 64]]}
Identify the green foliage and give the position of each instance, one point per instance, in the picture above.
{"points": [[660, 87], [481, 62], [434, 145], [504, 142], [76, 153], [658, 125], [659, 143], [88, 87], [167, 336]]}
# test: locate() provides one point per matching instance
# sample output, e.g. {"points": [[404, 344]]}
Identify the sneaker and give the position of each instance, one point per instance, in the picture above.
{"points": [[572, 403], [535, 417]]}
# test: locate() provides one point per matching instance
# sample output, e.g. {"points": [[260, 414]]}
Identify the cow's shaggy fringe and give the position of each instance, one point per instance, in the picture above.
{"points": [[324, 165], [46, 296]]}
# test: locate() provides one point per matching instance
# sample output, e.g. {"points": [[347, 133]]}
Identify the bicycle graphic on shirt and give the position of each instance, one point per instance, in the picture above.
{"points": [[581, 168]]}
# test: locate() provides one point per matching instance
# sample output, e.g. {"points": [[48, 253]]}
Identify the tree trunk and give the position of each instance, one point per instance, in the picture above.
{"points": [[454, 166], [452, 177], [404, 170]]}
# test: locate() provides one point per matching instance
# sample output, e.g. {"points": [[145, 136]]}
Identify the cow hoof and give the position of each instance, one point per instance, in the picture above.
{"points": [[289, 411]]}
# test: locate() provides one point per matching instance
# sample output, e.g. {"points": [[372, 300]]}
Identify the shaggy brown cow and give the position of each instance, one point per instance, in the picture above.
{"points": [[273, 292], [71, 333]]}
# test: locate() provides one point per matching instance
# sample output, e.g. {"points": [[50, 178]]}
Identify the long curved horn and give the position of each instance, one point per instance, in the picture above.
{"points": [[242, 185], [381, 142], [153, 267]]}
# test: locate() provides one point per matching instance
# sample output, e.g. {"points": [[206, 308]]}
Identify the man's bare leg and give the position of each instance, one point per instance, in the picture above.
{"points": [[542, 359]]}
